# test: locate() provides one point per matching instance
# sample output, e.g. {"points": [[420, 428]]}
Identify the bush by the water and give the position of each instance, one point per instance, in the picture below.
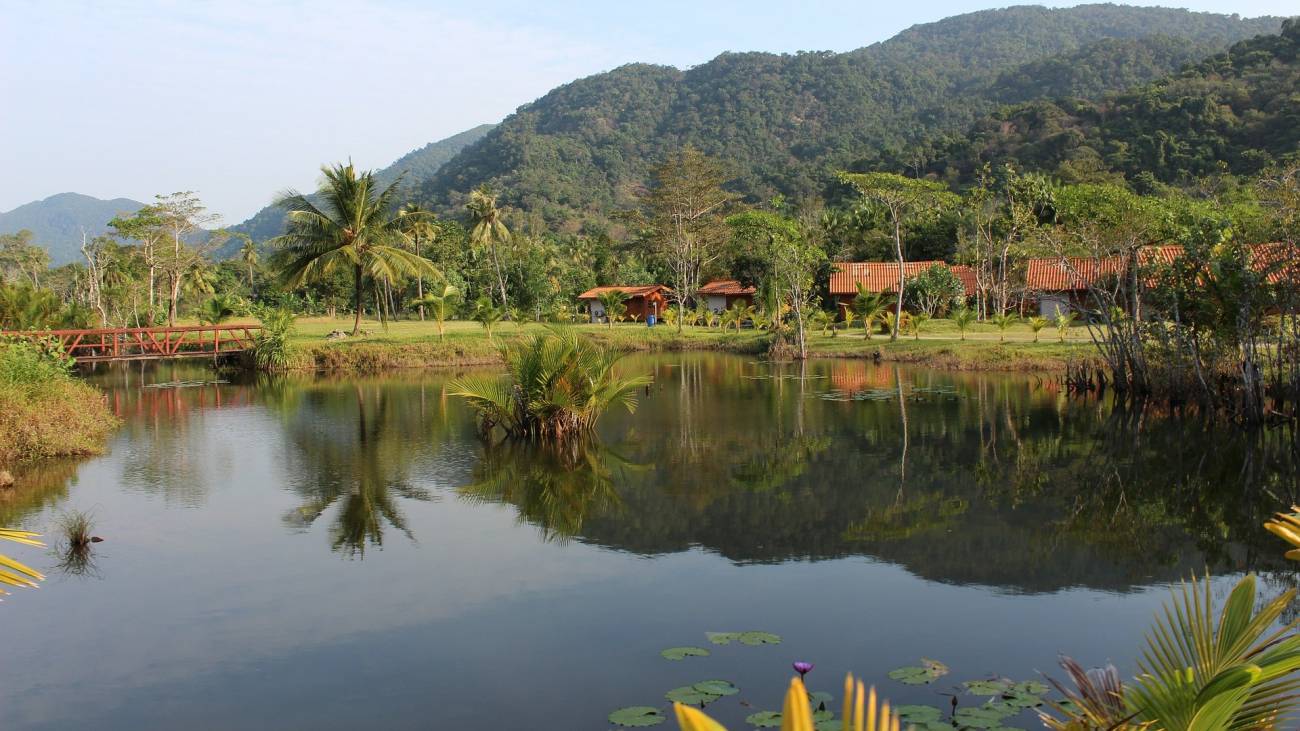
{"points": [[44, 410]]}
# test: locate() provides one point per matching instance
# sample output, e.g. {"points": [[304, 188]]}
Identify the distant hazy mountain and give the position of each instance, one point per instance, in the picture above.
{"points": [[57, 221], [418, 165]]}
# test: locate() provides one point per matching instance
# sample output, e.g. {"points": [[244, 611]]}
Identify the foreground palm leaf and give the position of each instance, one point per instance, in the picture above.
{"points": [[862, 711], [559, 384], [1287, 527], [13, 573]]}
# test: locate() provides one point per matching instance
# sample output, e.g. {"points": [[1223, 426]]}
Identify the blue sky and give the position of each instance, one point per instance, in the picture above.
{"points": [[238, 99]]}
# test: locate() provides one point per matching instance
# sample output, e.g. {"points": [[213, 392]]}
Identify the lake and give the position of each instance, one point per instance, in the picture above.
{"points": [[332, 553]]}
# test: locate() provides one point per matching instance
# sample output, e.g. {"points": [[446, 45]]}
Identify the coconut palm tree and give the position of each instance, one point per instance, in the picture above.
{"points": [[487, 229], [424, 231], [218, 308], [249, 256], [440, 305], [1036, 324], [351, 229], [871, 307], [560, 383], [963, 318], [487, 314], [1002, 321], [1063, 320], [613, 301], [917, 322]]}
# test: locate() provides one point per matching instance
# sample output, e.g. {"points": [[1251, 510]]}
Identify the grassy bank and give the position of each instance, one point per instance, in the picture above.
{"points": [[45, 411], [414, 344]]}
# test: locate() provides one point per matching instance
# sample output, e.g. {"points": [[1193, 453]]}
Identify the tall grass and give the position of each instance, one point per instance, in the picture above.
{"points": [[44, 410]]}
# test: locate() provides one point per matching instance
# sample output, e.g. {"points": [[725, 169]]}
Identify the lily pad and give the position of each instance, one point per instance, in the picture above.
{"points": [[688, 695], [828, 724], [1022, 700], [722, 638], [637, 716], [978, 718], [764, 719], [820, 697], [986, 687], [681, 653], [918, 714], [927, 672], [716, 687], [1031, 687], [820, 716], [759, 638]]}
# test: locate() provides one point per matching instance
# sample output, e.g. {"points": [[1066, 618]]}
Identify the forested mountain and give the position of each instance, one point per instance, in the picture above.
{"points": [[1237, 111], [57, 222], [418, 165], [783, 122]]}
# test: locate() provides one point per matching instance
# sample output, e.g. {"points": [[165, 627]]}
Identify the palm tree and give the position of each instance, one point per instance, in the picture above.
{"points": [[424, 230], [1036, 324], [218, 308], [963, 318], [849, 317], [1002, 321], [1063, 320], [738, 313], [488, 229], [917, 322], [13, 573], [895, 322], [612, 300], [487, 314], [440, 305], [560, 383], [870, 306], [248, 254], [352, 228]]}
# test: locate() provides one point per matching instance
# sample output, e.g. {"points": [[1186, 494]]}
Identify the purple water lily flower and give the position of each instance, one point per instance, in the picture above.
{"points": [[803, 668]]}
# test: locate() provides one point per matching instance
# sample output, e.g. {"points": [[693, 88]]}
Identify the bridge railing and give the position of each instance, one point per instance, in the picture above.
{"points": [[146, 343]]}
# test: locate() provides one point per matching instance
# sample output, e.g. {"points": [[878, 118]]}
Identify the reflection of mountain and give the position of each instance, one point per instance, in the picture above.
{"points": [[1004, 484], [352, 452]]}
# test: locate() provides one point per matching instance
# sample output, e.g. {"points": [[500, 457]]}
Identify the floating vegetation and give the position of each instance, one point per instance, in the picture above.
{"points": [[924, 674], [681, 653], [913, 393], [185, 384], [691, 696], [745, 638], [764, 719], [637, 716]]}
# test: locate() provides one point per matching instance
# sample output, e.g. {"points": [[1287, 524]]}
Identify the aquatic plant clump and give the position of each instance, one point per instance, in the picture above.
{"points": [[558, 385]]}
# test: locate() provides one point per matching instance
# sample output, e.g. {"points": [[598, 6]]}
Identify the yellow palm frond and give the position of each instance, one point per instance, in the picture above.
{"points": [[863, 711], [13, 573]]}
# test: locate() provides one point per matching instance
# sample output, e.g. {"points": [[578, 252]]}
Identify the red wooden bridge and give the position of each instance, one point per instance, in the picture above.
{"points": [[149, 343]]}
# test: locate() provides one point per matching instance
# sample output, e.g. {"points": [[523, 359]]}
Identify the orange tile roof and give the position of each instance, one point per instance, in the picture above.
{"points": [[1060, 274], [727, 287], [639, 290], [882, 276]]}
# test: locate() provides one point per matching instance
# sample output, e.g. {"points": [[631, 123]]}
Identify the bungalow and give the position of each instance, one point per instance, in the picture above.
{"points": [[882, 276], [642, 300], [721, 294], [1062, 282]]}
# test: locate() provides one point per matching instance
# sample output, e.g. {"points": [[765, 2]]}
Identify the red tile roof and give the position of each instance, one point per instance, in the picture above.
{"points": [[1061, 274], [726, 287], [882, 276], [639, 290]]}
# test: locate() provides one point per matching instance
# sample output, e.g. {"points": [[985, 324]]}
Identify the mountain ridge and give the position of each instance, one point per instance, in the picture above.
{"points": [[56, 222]]}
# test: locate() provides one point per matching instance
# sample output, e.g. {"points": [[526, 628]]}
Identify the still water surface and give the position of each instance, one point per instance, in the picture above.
{"points": [[343, 553]]}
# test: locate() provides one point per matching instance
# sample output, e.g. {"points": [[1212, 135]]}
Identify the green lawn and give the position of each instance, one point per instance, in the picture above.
{"points": [[413, 344]]}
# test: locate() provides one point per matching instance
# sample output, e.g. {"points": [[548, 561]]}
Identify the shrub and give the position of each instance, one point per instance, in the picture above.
{"points": [[44, 411], [271, 348]]}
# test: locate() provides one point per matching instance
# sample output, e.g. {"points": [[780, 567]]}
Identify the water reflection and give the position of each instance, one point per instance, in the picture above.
{"points": [[350, 452]]}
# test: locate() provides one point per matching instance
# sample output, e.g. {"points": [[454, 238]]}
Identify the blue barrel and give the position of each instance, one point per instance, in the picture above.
{"points": [[650, 321]]}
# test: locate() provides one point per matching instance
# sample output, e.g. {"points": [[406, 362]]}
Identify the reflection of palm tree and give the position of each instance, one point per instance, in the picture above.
{"points": [[362, 474], [556, 489]]}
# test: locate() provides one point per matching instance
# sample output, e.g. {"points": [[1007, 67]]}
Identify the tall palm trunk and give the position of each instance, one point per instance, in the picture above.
{"points": [[356, 323], [898, 307]]}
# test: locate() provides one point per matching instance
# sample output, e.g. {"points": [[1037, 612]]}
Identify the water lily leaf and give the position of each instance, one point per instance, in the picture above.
{"points": [[819, 716], [986, 687], [690, 696], [760, 638], [764, 719], [829, 724], [716, 687], [1022, 700], [722, 638], [1031, 687], [820, 696], [934, 726], [919, 714], [681, 653], [977, 718], [935, 668], [636, 716], [1003, 708]]}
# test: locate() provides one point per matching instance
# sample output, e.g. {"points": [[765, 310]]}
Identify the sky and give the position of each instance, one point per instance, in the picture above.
{"points": [[239, 100]]}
